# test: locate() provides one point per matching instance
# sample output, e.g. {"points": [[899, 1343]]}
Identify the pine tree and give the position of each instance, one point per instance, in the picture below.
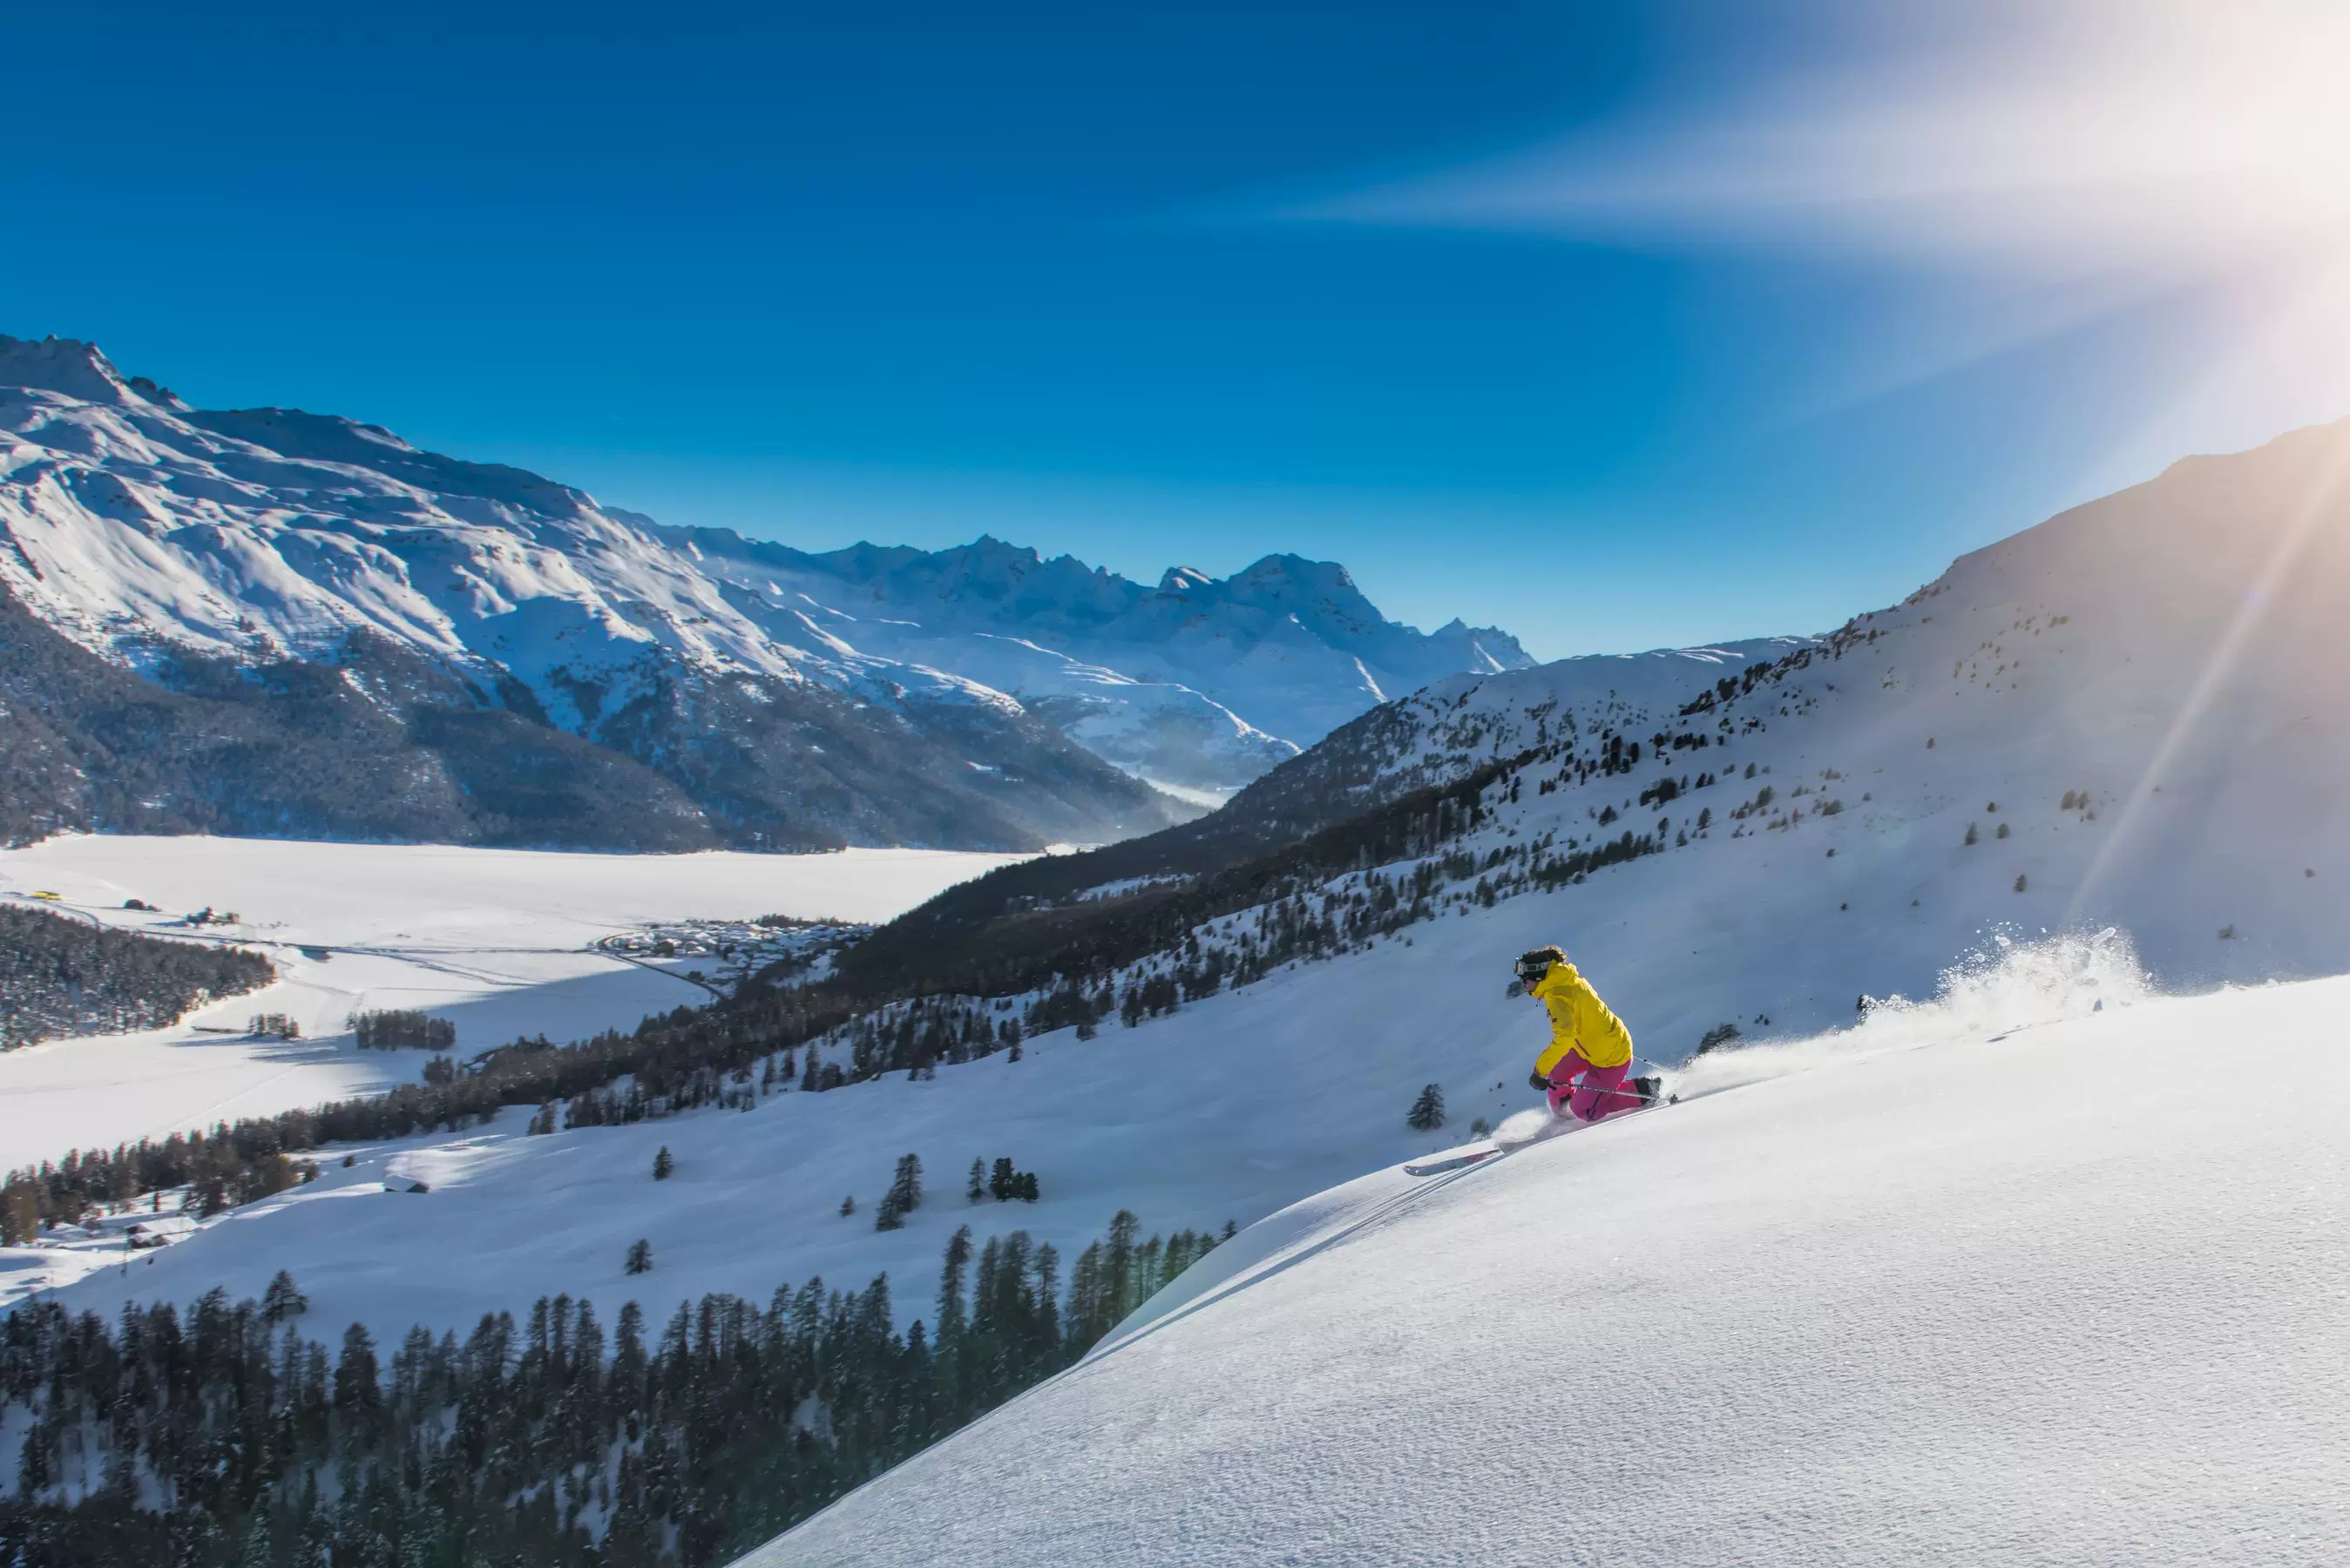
{"points": [[283, 1300], [640, 1258], [905, 1195], [1973, 838], [2020, 883], [1000, 1181], [663, 1165], [1427, 1111], [1025, 1187], [20, 1210], [848, 1206], [977, 1192]]}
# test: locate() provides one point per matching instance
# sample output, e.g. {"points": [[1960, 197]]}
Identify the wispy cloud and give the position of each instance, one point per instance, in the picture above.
{"points": [[2028, 168], [2059, 139]]}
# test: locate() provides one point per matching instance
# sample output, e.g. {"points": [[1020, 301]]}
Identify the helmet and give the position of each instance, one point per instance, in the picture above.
{"points": [[1533, 964]]}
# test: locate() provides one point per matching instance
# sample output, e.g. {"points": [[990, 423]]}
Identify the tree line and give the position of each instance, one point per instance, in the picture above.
{"points": [[62, 976], [221, 1437]]}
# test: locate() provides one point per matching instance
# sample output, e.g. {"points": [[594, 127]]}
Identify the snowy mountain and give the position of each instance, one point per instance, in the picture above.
{"points": [[465, 627], [2099, 761], [1200, 682]]}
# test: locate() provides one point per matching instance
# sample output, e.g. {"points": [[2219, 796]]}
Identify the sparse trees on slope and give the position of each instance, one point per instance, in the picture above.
{"points": [[905, 1194]]}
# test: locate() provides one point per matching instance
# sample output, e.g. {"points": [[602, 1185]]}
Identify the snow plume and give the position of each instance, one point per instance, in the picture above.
{"points": [[2005, 985]]}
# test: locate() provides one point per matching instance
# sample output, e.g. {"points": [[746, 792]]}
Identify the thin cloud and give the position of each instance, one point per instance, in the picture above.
{"points": [[2070, 140], [2016, 171]]}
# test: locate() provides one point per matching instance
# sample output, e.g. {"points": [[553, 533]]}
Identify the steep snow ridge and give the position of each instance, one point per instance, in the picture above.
{"points": [[1879, 1312], [1500, 713], [222, 545]]}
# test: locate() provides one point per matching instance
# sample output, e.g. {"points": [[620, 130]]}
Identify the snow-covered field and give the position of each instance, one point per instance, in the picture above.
{"points": [[2061, 1294], [498, 941]]}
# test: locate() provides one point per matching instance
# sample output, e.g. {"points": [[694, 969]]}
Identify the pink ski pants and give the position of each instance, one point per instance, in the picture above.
{"points": [[1602, 1092]]}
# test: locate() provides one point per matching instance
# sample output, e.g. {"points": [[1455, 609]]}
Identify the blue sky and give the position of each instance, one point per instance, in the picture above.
{"points": [[1480, 299]]}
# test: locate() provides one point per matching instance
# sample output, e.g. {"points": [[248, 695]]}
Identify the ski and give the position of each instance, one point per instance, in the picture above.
{"points": [[1453, 1162], [1652, 1097]]}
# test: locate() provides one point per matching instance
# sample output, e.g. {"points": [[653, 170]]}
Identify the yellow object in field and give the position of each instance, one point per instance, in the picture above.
{"points": [[52, 897]]}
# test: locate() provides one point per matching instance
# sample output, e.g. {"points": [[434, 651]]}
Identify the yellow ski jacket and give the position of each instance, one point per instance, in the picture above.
{"points": [[1579, 1020]]}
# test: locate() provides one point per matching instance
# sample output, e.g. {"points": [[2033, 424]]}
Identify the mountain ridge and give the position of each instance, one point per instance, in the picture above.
{"points": [[156, 537]]}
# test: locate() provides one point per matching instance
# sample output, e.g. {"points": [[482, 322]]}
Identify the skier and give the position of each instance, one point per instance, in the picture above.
{"points": [[1587, 1042]]}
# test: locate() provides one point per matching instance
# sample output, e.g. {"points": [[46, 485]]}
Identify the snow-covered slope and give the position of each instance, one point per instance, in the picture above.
{"points": [[2205, 820], [2037, 1296], [147, 530]]}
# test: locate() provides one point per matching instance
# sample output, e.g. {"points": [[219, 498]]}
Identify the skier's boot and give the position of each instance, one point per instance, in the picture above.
{"points": [[1652, 1089]]}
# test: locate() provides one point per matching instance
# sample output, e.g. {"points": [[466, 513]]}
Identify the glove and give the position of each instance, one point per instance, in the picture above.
{"points": [[1539, 1081]]}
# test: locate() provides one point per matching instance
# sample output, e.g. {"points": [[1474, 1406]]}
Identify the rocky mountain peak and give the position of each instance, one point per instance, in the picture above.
{"points": [[76, 368]]}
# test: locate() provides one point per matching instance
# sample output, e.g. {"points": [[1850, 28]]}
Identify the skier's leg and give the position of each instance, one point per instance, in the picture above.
{"points": [[1604, 1092], [1561, 1080]]}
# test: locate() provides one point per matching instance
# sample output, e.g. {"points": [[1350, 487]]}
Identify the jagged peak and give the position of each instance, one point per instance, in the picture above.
{"points": [[78, 369], [988, 548], [1270, 570], [1184, 579]]}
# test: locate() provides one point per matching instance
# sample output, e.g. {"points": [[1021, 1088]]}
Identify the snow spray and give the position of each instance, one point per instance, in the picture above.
{"points": [[2003, 985]]}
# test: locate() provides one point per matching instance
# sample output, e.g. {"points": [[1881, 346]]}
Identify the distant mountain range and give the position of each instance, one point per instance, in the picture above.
{"points": [[270, 621]]}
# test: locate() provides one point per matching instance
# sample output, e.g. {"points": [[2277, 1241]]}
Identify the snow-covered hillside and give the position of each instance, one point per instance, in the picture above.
{"points": [[2120, 728], [499, 943], [2039, 1295], [148, 531], [2017, 749]]}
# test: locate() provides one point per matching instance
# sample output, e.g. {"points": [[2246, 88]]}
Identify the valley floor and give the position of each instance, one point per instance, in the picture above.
{"points": [[501, 943]]}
